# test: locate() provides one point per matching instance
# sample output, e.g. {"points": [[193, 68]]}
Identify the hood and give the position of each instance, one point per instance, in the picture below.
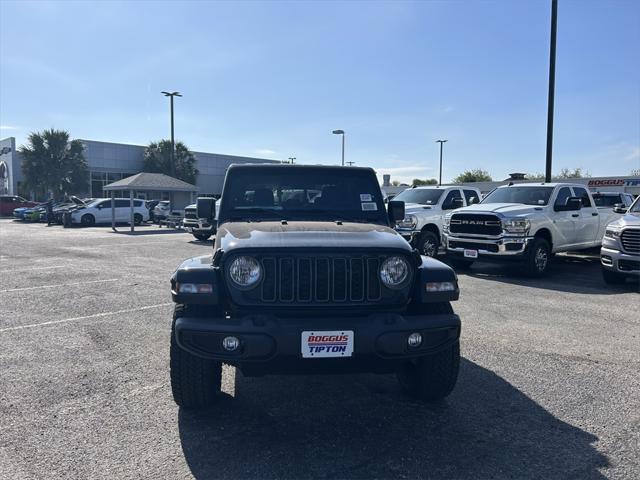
{"points": [[76, 200], [506, 209], [234, 235], [627, 220]]}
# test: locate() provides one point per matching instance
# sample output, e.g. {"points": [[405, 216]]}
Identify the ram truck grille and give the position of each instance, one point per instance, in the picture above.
{"points": [[475, 224], [630, 239], [299, 280]]}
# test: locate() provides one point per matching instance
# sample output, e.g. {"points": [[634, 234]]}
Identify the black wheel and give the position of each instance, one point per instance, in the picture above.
{"points": [[612, 278], [432, 377], [137, 218], [428, 244], [202, 236], [538, 258], [88, 220], [195, 381]]}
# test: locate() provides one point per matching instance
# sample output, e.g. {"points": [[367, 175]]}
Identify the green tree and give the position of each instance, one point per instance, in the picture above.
{"points": [[564, 174], [157, 159], [476, 175], [50, 162], [429, 181]]}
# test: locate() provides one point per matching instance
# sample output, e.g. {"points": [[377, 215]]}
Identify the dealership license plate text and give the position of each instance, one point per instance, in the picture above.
{"points": [[319, 344]]}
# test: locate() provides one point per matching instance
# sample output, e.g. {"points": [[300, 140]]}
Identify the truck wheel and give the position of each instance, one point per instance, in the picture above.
{"points": [[202, 236], [428, 244], [612, 278], [537, 260], [432, 377], [88, 220], [195, 381]]}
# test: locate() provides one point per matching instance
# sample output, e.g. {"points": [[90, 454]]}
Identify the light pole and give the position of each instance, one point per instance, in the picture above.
{"points": [[552, 87], [173, 141], [441, 142], [340, 132], [291, 160]]}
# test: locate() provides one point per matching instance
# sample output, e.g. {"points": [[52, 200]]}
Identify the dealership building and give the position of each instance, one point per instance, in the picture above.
{"points": [[109, 162]]}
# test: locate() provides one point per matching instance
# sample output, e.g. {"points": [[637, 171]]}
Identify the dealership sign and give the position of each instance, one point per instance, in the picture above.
{"points": [[615, 182]]}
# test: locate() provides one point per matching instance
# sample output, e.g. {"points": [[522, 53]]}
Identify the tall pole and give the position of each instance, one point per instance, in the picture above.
{"points": [[173, 143], [343, 149], [552, 87], [441, 142]]}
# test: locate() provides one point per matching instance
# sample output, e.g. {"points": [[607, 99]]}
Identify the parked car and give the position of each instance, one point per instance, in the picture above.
{"points": [[99, 212], [527, 223], [65, 207], [620, 252], [612, 199], [151, 205], [425, 209], [324, 285], [8, 203], [201, 228]]}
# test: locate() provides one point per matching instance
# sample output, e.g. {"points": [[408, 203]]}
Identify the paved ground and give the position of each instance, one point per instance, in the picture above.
{"points": [[549, 385]]}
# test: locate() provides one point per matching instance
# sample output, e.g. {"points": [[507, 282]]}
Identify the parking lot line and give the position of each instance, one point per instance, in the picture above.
{"points": [[86, 317], [58, 285], [33, 268]]}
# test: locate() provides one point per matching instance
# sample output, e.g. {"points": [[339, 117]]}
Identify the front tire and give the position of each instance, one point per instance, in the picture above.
{"points": [[428, 244], [612, 278], [537, 261], [195, 381], [88, 220], [432, 377]]}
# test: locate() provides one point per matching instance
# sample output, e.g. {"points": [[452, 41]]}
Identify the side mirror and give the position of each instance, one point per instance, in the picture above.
{"points": [[206, 208], [395, 208], [573, 204], [620, 208]]}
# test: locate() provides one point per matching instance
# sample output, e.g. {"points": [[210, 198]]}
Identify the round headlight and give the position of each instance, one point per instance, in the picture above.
{"points": [[245, 272], [394, 271]]}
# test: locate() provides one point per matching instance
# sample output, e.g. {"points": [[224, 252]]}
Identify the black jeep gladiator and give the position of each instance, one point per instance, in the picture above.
{"points": [[308, 276]]}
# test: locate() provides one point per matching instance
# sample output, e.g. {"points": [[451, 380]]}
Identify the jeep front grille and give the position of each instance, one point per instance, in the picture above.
{"points": [[630, 239], [475, 224], [190, 213]]}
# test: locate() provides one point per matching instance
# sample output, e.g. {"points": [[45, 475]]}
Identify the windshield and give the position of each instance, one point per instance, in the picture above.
{"points": [[322, 194], [426, 196], [606, 200], [635, 206], [524, 195]]}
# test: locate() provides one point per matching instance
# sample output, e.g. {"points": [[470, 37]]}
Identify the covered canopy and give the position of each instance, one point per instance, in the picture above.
{"points": [[145, 182]]}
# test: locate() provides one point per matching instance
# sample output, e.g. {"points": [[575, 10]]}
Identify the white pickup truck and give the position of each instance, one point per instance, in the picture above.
{"points": [[526, 222], [425, 209]]}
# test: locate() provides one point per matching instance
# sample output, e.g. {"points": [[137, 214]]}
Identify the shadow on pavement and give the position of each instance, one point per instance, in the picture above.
{"points": [[572, 273], [363, 427], [146, 230]]}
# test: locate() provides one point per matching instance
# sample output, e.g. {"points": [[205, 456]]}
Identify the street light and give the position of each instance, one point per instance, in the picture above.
{"points": [[440, 142], [340, 132], [291, 160], [173, 142]]}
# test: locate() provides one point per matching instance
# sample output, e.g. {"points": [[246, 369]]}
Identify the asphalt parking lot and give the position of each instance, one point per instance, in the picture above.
{"points": [[548, 388]]}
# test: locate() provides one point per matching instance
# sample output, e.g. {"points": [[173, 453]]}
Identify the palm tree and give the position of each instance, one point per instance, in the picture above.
{"points": [[52, 163], [157, 159]]}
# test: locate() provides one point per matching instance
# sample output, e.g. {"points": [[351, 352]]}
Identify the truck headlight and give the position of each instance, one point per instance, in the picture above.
{"points": [[612, 232], [410, 221], [446, 222], [245, 271], [516, 225], [394, 271]]}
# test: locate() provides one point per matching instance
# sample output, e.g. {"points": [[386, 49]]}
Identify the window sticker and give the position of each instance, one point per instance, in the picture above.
{"points": [[365, 197], [369, 206]]}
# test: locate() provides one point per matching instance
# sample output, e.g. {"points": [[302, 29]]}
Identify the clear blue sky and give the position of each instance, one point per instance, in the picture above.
{"points": [[272, 79]]}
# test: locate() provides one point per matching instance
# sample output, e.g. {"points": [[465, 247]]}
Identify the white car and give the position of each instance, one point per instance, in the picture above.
{"points": [[99, 212], [163, 210], [425, 208]]}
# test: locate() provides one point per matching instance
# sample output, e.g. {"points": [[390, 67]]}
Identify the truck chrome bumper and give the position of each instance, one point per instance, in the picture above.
{"points": [[618, 261], [503, 246]]}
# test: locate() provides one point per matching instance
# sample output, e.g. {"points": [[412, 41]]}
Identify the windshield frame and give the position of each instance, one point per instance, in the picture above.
{"points": [[635, 206]]}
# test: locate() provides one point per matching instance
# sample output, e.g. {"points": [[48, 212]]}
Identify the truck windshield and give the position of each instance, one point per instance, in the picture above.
{"points": [[300, 193], [635, 206], [525, 195], [426, 196]]}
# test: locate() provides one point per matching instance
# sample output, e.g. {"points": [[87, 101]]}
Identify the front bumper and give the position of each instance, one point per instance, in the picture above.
{"points": [[496, 248], [617, 261], [271, 344]]}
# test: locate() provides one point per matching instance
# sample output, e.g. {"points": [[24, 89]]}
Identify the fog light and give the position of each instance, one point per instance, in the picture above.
{"points": [[230, 343], [414, 340]]}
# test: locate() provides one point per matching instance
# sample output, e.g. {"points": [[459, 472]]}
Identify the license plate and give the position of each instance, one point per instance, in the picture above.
{"points": [[471, 254], [325, 344]]}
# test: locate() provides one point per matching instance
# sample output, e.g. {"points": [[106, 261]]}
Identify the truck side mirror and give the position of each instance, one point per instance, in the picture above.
{"points": [[206, 208], [620, 208], [395, 209]]}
